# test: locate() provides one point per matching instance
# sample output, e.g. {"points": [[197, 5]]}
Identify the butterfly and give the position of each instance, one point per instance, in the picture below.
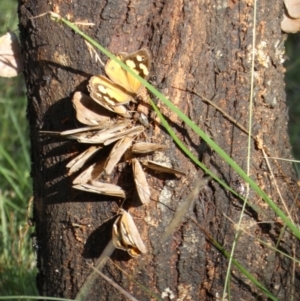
{"points": [[120, 87]]}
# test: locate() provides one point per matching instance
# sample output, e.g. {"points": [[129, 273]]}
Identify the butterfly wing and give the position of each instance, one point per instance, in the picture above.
{"points": [[116, 73], [109, 95], [122, 86], [139, 62]]}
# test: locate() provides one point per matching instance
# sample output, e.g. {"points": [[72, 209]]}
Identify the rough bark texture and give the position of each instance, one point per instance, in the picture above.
{"points": [[202, 46]]}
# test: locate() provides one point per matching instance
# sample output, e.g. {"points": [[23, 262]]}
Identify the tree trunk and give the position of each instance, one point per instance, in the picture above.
{"points": [[196, 46]]}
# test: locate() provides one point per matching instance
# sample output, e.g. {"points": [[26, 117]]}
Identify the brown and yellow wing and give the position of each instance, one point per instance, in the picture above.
{"points": [[109, 95], [139, 62]]}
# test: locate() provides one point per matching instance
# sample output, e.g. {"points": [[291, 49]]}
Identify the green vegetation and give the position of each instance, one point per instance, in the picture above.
{"points": [[292, 80], [17, 257]]}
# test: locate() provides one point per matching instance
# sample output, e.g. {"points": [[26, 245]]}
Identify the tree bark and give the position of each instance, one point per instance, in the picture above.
{"points": [[196, 46]]}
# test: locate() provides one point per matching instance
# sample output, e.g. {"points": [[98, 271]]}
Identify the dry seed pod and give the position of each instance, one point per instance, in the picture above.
{"points": [[91, 173], [146, 148], [81, 159], [102, 188], [141, 183], [116, 153], [74, 131], [162, 168], [126, 236], [76, 134], [72, 134], [132, 132], [102, 136], [88, 111], [99, 134]]}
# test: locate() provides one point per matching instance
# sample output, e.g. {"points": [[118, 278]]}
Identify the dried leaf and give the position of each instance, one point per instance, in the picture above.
{"points": [[91, 173], [101, 137], [81, 159], [162, 168], [126, 236], [141, 183], [289, 24], [116, 153], [88, 111], [293, 8], [11, 59], [102, 188], [93, 134], [146, 148], [132, 132], [79, 132]]}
